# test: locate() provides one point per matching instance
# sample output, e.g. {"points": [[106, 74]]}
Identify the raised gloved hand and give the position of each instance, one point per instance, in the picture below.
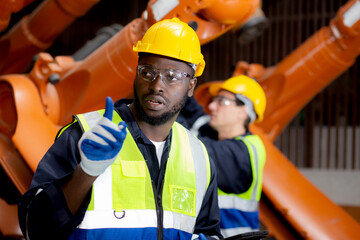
{"points": [[101, 144]]}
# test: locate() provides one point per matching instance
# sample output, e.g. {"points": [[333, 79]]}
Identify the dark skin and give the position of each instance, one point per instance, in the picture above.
{"points": [[158, 97], [155, 98]]}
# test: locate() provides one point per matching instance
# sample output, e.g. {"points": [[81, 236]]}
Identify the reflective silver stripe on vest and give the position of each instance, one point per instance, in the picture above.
{"points": [[109, 219], [200, 169], [235, 231], [232, 201], [138, 218], [178, 221]]}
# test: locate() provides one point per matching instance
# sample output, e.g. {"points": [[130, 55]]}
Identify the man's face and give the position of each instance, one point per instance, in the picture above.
{"points": [[160, 100], [225, 112]]}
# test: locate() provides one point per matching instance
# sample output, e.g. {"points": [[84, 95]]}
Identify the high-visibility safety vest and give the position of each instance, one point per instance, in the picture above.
{"points": [[240, 212], [124, 202]]}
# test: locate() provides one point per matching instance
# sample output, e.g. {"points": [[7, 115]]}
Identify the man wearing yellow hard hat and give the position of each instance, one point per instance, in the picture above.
{"points": [[239, 156], [130, 171]]}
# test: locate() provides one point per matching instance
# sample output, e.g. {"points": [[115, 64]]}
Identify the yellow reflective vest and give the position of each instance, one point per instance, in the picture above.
{"points": [[123, 202]]}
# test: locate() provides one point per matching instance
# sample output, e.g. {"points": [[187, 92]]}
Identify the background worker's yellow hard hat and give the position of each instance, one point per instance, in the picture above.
{"points": [[243, 85], [246, 87], [173, 38]]}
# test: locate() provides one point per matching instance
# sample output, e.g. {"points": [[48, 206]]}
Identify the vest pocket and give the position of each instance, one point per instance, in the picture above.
{"points": [[133, 168], [183, 200], [129, 179]]}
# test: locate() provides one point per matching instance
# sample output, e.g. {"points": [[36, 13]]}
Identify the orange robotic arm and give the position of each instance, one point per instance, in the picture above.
{"points": [[293, 82], [210, 19], [7, 8], [37, 31]]}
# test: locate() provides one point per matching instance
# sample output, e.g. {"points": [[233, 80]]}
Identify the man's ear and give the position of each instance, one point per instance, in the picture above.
{"points": [[192, 85]]}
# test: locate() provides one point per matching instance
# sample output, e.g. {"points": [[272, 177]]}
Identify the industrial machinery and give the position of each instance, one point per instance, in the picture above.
{"points": [[34, 105], [9, 7]]}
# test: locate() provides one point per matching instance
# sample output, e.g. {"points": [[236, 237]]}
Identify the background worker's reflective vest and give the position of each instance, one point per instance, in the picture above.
{"points": [[240, 212], [124, 201]]}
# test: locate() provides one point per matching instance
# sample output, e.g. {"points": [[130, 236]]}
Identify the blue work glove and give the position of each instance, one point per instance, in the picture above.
{"points": [[101, 144]]}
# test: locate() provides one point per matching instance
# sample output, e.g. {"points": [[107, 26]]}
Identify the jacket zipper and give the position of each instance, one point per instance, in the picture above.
{"points": [[159, 212]]}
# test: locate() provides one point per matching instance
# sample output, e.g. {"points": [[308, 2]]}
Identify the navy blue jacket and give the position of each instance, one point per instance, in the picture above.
{"points": [[47, 214], [231, 157]]}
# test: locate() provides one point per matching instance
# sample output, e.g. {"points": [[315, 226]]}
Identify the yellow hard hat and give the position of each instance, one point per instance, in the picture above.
{"points": [[173, 38], [244, 86]]}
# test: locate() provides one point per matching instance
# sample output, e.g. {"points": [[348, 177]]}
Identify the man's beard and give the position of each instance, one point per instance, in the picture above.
{"points": [[157, 120]]}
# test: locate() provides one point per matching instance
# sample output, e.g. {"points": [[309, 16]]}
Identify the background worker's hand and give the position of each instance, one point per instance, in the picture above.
{"points": [[101, 144]]}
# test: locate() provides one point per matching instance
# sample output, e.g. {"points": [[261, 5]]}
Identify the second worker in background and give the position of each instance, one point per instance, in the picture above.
{"points": [[239, 155]]}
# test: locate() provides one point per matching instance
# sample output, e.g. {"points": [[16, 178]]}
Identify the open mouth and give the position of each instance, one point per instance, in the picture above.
{"points": [[154, 102]]}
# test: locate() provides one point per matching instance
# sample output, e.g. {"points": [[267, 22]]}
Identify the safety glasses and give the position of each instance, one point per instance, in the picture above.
{"points": [[169, 76], [223, 101]]}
